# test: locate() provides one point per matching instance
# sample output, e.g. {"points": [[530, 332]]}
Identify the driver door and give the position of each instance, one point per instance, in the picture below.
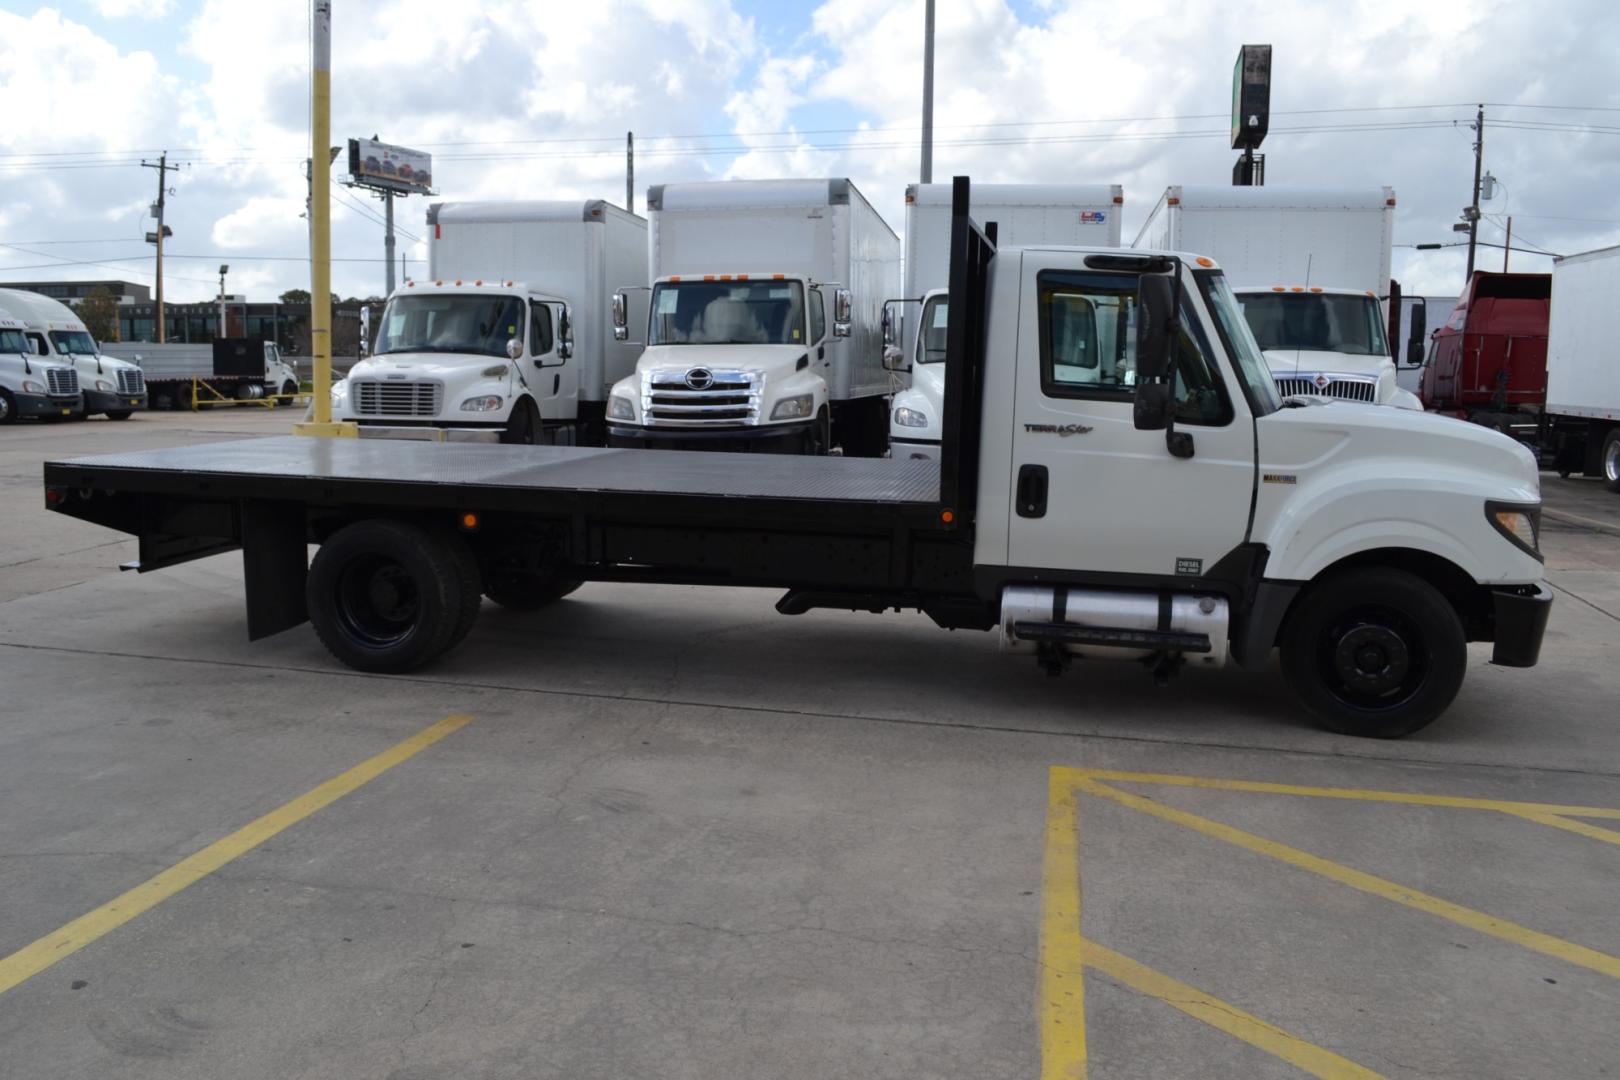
{"points": [[552, 377]]}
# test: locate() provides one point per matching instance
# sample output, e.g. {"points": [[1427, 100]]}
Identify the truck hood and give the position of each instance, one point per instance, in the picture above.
{"points": [[409, 365], [930, 379], [775, 360], [1293, 361]]}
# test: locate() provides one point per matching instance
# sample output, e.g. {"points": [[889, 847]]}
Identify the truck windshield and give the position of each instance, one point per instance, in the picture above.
{"points": [[1240, 343], [727, 313], [480, 325], [12, 341], [73, 342], [931, 333], [1317, 322]]}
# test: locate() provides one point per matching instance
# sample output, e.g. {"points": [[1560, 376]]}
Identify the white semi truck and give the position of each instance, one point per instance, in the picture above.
{"points": [[1179, 516], [1583, 371], [1078, 215], [30, 384], [507, 339], [1311, 267], [765, 327], [110, 387]]}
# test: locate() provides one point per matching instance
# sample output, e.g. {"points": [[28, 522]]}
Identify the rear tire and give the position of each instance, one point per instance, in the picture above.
{"points": [[1611, 460], [8, 408], [387, 596], [1374, 652], [527, 592]]}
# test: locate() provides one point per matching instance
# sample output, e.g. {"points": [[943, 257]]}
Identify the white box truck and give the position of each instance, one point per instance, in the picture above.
{"points": [[1583, 366], [507, 339], [30, 384], [766, 321], [1310, 267], [1068, 215], [109, 386]]}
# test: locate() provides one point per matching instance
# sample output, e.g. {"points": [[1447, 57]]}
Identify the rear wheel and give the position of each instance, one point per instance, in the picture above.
{"points": [[8, 408], [387, 596], [1611, 460], [527, 592], [1374, 652], [523, 428]]}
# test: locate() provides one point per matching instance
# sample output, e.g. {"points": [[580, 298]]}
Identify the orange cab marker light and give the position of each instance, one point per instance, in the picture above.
{"points": [[469, 521], [1278, 288], [458, 281], [725, 277], [674, 277], [438, 283], [910, 198], [1119, 200], [1299, 288], [1202, 261], [708, 277], [1316, 288], [410, 284], [479, 281], [742, 277], [778, 277]]}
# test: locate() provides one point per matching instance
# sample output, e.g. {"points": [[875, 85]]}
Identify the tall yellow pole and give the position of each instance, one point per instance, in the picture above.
{"points": [[320, 220]]}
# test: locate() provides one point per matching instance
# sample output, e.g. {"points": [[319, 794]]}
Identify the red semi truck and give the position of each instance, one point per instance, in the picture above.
{"points": [[1488, 361]]}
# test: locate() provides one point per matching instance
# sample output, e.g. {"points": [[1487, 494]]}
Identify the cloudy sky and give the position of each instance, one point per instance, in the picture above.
{"points": [[532, 99]]}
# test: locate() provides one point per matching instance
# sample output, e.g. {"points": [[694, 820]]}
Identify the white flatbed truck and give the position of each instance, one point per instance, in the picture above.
{"points": [[1183, 516]]}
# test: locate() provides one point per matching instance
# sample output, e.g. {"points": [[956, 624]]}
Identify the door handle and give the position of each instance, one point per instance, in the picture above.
{"points": [[1031, 494]]}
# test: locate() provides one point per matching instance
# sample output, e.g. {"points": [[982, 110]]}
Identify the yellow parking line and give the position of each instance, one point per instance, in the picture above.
{"points": [[1062, 1004], [1523, 936], [30, 960], [1224, 1017], [1558, 822], [1506, 807]]}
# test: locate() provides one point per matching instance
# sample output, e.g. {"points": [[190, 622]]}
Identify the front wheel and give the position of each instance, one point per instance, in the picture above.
{"points": [[8, 408], [121, 414], [524, 426], [288, 389], [1374, 652], [1611, 460]]}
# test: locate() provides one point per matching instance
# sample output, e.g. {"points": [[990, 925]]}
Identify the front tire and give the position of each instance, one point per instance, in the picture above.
{"points": [[388, 596], [288, 389], [8, 408], [524, 426], [121, 414], [1374, 652], [1611, 460]]}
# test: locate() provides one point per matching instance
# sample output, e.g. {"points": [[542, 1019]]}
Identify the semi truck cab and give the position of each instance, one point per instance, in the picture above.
{"points": [[30, 384], [1325, 342], [466, 361]]}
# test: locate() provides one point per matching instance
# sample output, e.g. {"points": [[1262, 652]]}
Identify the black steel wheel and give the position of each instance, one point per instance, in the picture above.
{"points": [[387, 596], [1374, 652], [524, 426]]}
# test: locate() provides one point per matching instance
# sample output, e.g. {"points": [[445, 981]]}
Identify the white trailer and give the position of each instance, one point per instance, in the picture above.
{"points": [[743, 352], [1068, 215], [1310, 267], [508, 338], [1583, 366], [109, 386]]}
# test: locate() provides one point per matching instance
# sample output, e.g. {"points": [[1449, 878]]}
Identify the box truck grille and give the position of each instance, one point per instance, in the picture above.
{"points": [[375, 398], [1349, 389], [131, 381], [700, 397], [62, 381]]}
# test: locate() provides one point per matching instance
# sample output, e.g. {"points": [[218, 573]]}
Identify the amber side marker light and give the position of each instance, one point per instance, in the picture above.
{"points": [[469, 521]]}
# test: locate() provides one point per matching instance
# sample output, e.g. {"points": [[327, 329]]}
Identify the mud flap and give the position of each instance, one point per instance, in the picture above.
{"points": [[275, 563]]}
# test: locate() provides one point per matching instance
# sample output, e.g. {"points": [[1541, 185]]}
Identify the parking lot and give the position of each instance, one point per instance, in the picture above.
{"points": [[665, 831]]}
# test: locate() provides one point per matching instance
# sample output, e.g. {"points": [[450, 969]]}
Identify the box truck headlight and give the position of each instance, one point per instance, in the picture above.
{"points": [[904, 417], [103, 384], [621, 408], [483, 403], [32, 387], [794, 408], [1520, 524]]}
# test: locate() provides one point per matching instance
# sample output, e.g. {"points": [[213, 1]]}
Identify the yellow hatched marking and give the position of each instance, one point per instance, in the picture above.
{"points": [[1062, 1001], [1556, 821]]}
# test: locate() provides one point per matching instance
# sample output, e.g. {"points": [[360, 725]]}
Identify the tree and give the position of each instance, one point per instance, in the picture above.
{"points": [[295, 296], [99, 313]]}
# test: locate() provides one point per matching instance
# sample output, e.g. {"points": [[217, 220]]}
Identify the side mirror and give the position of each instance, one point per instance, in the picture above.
{"points": [[1154, 405], [888, 330], [621, 317], [894, 359], [514, 348], [565, 336], [1154, 402], [843, 307], [1416, 333]]}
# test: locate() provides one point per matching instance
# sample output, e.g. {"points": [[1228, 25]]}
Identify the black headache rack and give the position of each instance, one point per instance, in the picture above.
{"points": [[863, 534]]}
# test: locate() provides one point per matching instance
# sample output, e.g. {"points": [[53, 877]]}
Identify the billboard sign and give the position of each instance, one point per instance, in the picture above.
{"points": [[1251, 97], [390, 168]]}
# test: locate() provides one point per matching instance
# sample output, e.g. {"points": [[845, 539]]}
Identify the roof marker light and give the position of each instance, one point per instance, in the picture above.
{"points": [[1119, 200], [778, 277], [1278, 288], [1299, 288], [1316, 288], [1204, 261], [1173, 202]]}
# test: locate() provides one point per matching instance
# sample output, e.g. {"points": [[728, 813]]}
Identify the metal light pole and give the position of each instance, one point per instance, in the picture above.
{"points": [[223, 270], [928, 94], [630, 171], [388, 240]]}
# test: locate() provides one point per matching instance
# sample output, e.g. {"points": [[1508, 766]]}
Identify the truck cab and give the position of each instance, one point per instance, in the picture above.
{"points": [[733, 361], [31, 384], [1488, 361], [466, 361], [109, 386], [916, 421], [1325, 342]]}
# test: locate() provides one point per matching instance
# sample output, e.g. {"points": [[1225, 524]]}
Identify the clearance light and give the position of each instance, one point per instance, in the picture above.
{"points": [[1316, 288], [910, 198], [1173, 202], [725, 277], [1205, 262], [778, 277], [508, 284], [742, 277], [469, 521], [1278, 288], [1389, 202], [947, 516], [458, 281], [480, 281], [410, 284], [674, 277], [708, 277], [438, 283], [1119, 200], [1299, 288]]}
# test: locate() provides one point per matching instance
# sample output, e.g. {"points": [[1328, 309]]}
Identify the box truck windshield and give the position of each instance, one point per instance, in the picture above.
{"points": [[728, 313], [1318, 322], [481, 325], [73, 342]]}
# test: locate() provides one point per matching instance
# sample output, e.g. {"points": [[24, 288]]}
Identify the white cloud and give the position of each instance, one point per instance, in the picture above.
{"points": [[145, 9]]}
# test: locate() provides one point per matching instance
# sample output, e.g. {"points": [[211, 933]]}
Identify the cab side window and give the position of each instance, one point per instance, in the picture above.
{"points": [[818, 317], [539, 329]]}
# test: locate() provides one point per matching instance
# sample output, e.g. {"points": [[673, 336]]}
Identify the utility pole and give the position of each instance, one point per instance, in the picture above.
{"points": [[1473, 209], [223, 270], [388, 239], [1508, 248], [630, 171], [162, 166], [928, 94]]}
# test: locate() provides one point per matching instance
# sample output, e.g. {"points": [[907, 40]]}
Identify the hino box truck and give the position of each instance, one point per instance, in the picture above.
{"points": [[1310, 267], [1179, 516], [507, 338], [1583, 368], [110, 387], [31, 384], [766, 321], [1075, 215]]}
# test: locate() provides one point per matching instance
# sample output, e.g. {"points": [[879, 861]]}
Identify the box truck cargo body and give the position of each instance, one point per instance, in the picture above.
{"points": [[1067, 215], [765, 330], [507, 339], [1310, 266], [1583, 365]]}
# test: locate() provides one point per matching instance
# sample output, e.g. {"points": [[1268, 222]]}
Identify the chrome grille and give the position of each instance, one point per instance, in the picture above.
{"points": [[722, 398], [131, 381], [1349, 389], [374, 397], [62, 382]]}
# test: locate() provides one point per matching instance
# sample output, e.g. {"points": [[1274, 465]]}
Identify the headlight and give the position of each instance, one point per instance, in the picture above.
{"points": [[794, 408], [485, 403], [103, 384], [904, 417], [1520, 524], [32, 387], [495, 372], [621, 408]]}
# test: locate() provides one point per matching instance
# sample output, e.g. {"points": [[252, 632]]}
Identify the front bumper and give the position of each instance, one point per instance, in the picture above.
{"points": [[42, 405], [913, 449], [422, 432], [775, 439], [102, 401], [1520, 613]]}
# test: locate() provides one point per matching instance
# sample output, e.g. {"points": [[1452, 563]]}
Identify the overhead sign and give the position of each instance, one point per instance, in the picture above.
{"points": [[390, 168], [1251, 97]]}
